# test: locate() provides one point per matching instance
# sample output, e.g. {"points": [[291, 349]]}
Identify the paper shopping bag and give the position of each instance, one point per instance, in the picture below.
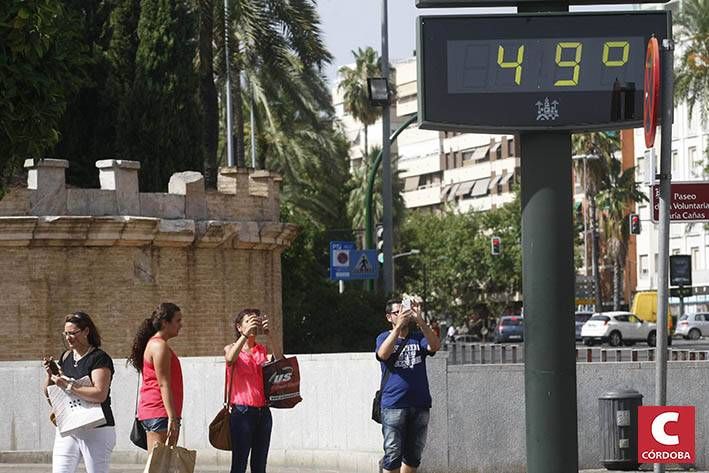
{"points": [[164, 459]]}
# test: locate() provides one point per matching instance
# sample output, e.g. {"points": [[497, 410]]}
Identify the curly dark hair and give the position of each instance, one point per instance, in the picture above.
{"points": [[149, 327], [82, 320]]}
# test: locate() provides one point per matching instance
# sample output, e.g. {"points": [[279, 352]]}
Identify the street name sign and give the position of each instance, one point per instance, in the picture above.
{"points": [[690, 202], [561, 71], [348, 263]]}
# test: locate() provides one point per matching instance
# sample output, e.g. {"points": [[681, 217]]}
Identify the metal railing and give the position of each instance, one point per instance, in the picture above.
{"points": [[493, 353]]}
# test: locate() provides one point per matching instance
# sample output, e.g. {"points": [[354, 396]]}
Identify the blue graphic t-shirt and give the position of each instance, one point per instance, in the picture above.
{"points": [[407, 386]]}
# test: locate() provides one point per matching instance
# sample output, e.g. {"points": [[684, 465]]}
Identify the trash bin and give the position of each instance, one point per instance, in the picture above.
{"points": [[619, 429]]}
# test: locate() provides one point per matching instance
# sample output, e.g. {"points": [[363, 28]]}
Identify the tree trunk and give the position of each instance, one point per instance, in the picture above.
{"points": [[595, 253], [366, 143], [208, 92], [616, 284], [236, 88]]}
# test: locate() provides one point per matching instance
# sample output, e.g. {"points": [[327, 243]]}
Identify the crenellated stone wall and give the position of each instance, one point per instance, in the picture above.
{"points": [[116, 252]]}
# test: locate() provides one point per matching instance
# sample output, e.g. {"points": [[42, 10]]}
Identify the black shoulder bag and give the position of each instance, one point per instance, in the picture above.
{"points": [[377, 402], [137, 433]]}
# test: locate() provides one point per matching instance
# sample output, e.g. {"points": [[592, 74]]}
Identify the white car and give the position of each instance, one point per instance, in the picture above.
{"points": [[618, 328], [693, 326]]}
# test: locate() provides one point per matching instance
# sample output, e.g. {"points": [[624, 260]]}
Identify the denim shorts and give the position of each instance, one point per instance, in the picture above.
{"points": [[404, 436], [158, 424]]}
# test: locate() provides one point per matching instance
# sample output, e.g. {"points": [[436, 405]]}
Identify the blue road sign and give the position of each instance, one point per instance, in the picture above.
{"points": [[348, 263]]}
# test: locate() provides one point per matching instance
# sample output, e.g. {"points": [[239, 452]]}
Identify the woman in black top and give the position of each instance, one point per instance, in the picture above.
{"points": [[84, 358]]}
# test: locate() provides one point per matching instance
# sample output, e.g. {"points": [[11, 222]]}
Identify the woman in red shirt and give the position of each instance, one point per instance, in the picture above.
{"points": [[160, 404], [250, 420]]}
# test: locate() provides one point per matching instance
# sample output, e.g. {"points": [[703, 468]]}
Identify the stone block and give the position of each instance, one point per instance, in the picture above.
{"points": [[47, 178], [17, 231], [62, 230], [162, 205], [16, 202], [175, 233], [105, 231], [94, 202], [121, 176], [233, 180], [138, 231], [191, 185], [211, 234]]}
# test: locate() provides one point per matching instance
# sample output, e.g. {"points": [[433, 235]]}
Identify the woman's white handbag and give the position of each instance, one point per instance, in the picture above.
{"points": [[74, 414]]}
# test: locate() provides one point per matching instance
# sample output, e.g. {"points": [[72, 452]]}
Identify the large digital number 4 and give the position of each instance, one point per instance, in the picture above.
{"points": [[608, 45], [508, 65], [569, 63]]}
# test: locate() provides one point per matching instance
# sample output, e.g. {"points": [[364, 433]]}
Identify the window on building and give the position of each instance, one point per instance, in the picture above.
{"points": [[675, 161], [640, 169], [644, 270], [692, 160], [696, 261]]}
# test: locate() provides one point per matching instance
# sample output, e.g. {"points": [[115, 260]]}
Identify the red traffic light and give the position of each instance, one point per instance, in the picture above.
{"points": [[495, 245], [634, 224]]}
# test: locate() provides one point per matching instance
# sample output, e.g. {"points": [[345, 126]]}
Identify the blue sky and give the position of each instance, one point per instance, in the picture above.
{"points": [[350, 24]]}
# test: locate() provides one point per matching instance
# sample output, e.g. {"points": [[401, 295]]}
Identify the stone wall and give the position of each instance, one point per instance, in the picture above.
{"points": [[477, 420], [116, 253]]}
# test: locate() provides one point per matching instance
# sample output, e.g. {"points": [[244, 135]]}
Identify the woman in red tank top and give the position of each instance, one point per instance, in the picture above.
{"points": [[250, 422], [160, 400]]}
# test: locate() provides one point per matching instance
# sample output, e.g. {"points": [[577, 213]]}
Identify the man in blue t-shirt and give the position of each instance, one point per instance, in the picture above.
{"points": [[406, 399]]}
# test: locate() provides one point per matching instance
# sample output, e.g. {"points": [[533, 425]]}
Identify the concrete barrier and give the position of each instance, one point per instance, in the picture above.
{"points": [[477, 421]]}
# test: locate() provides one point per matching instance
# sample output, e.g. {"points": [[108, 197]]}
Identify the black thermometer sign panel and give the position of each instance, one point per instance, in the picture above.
{"points": [[525, 72]]}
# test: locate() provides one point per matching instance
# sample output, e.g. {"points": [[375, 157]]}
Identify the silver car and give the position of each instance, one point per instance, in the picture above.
{"points": [[693, 326]]}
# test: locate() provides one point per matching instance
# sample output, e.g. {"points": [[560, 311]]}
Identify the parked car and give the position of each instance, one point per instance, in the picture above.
{"points": [[581, 318], [618, 328], [510, 328], [693, 326], [466, 338]]}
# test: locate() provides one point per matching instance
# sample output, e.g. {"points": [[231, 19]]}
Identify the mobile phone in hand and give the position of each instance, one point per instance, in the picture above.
{"points": [[53, 367]]}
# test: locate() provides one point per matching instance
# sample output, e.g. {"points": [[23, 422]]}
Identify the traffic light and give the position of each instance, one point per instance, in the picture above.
{"points": [[634, 224], [496, 245], [380, 243]]}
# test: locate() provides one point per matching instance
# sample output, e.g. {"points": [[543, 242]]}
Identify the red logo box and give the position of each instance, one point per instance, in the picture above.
{"points": [[666, 434]]}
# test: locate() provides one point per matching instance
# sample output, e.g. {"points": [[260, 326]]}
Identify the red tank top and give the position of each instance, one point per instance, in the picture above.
{"points": [[150, 405]]}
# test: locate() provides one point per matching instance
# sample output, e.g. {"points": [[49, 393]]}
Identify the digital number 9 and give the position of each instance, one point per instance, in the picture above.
{"points": [[517, 65], [575, 63]]}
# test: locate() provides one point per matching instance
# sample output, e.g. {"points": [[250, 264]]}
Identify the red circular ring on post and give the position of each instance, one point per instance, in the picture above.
{"points": [[651, 91]]}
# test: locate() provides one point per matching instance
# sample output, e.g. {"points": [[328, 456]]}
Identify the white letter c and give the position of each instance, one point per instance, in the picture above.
{"points": [[658, 428]]}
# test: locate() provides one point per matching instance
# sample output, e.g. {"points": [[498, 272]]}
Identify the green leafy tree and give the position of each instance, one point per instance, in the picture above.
{"points": [[354, 88], [359, 183], [163, 122], [274, 45], [451, 247], [618, 189], [42, 64], [88, 127], [692, 75]]}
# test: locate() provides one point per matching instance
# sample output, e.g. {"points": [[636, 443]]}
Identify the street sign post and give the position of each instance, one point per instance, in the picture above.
{"points": [[690, 202], [347, 263]]}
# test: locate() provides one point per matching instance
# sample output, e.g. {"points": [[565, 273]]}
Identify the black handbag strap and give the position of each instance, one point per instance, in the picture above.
{"points": [[388, 370]]}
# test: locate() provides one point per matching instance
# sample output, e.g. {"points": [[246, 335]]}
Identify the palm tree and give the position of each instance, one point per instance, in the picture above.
{"points": [[602, 145], [692, 76], [618, 189], [273, 44], [354, 88], [359, 182]]}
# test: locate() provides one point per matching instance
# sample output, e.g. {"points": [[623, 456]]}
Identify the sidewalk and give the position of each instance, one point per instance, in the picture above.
{"points": [[117, 468]]}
